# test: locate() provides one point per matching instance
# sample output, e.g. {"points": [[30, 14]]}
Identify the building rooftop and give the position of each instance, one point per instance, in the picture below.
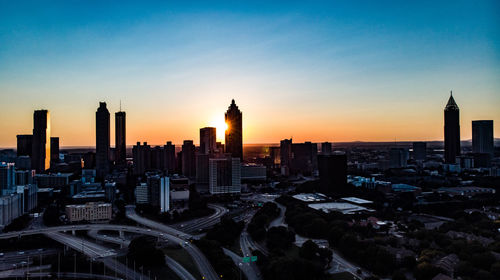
{"points": [[357, 200], [310, 197]]}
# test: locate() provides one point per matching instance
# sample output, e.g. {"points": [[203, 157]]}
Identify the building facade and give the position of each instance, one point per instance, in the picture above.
{"points": [[24, 145], [188, 159], [224, 175], [482, 137], [120, 138], [332, 172], [91, 211], [208, 140]]}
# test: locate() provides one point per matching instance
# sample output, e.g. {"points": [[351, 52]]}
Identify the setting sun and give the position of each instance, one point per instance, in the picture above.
{"points": [[220, 124]]}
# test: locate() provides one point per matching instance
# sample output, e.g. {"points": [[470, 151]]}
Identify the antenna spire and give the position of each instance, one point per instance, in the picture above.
{"points": [[120, 105]]}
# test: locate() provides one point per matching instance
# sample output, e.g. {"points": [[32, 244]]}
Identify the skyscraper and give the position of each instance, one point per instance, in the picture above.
{"points": [[188, 159], [234, 132], [54, 150], [102, 140], [120, 134], [40, 159], [419, 150], [169, 154], [451, 131], [208, 140], [224, 175], [326, 148], [482, 137], [24, 145]]}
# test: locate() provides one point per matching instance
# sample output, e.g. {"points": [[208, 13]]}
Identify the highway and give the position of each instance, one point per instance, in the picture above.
{"points": [[195, 225], [178, 237], [79, 244]]}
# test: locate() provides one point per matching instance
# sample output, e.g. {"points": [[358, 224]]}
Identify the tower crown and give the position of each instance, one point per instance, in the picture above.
{"points": [[451, 105]]}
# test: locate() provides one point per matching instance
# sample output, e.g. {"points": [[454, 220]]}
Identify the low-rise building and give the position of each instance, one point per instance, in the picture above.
{"points": [[92, 212]]}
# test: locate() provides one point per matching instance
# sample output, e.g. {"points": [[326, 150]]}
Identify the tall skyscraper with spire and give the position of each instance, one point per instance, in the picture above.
{"points": [[451, 130], [40, 159], [234, 131], [102, 140], [120, 134]]}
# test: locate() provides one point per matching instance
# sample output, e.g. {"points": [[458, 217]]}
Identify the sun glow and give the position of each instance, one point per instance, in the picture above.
{"points": [[220, 124]]}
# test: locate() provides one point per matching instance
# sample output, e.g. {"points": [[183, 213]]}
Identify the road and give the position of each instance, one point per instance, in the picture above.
{"points": [[79, 244], [247, 268], [178, 237], [195, 225], [110, 239]]}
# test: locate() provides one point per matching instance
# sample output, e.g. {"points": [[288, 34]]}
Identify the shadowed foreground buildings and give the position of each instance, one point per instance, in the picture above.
{"points": [[40, 159], [482, 137], [234, 131], [451, 131], [332, 172]]}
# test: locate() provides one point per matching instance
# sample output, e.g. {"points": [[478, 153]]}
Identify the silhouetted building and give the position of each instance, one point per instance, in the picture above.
{"points": [[188, 159], [224, 175], [332, 172], [120, 138], [326, 148], [208, 143], [419, 150], [159, 192], [102, 134], [40, 159], [234, 132], [304, 158], [451, 131], [482, 137], [24, 145], [88, 160], [398, 157], [141, 157], [169, 154], [54, 150], [202, 168], [286, 152]]}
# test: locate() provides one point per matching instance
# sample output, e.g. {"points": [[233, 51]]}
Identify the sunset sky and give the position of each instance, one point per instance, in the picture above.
{"points": [[314, 71]]}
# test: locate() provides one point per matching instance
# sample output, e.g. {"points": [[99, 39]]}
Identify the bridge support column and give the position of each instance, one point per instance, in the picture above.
{"points": [[122, 234], [73, 232]]}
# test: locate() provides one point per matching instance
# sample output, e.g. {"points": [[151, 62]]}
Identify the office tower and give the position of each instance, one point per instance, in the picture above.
{"points": [[120, 141], [234, 131], [482, 137], [102, 140], [24, 145], [398, 157], [202, 168], [332, 172], [157, 162], [159, 192], [188, 159], [40, 159], [54, 149], [141, 157], [142, 194], [169, 154], [451, 131], [326, 148], [224, 175], [304, 158], [7, 178], [208, 143], [419, 150], [286, 152]]}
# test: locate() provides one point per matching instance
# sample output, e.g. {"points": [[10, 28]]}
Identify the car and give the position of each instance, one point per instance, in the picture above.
{"points": [[149, 229], [20, 253]]}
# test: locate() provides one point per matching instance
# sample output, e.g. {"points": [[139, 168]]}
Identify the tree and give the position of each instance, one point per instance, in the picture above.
{"points": [[143, 251], [279, 238], [308, 250]]}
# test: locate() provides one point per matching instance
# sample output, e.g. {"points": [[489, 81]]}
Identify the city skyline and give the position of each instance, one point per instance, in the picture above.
{"points": [[334, 72]]}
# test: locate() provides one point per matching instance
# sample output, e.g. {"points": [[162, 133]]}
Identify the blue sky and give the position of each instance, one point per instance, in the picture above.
{"points": [[334, 70]]}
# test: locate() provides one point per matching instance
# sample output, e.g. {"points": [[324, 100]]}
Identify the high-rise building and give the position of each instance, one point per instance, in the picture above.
{"points": [[419, 150], [224, 175], [40, 159], [451, 131], [188, 159], [482, 137], [141, 157], [234, 131], [102, 140], [398, 157], [304, 158], [7, 178], [202, 168], [169, 154], [286, 152], [159, 192], [54, 150], [24, 145], [326, 148], [208, 142], [120, 140], [332, 172]]}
